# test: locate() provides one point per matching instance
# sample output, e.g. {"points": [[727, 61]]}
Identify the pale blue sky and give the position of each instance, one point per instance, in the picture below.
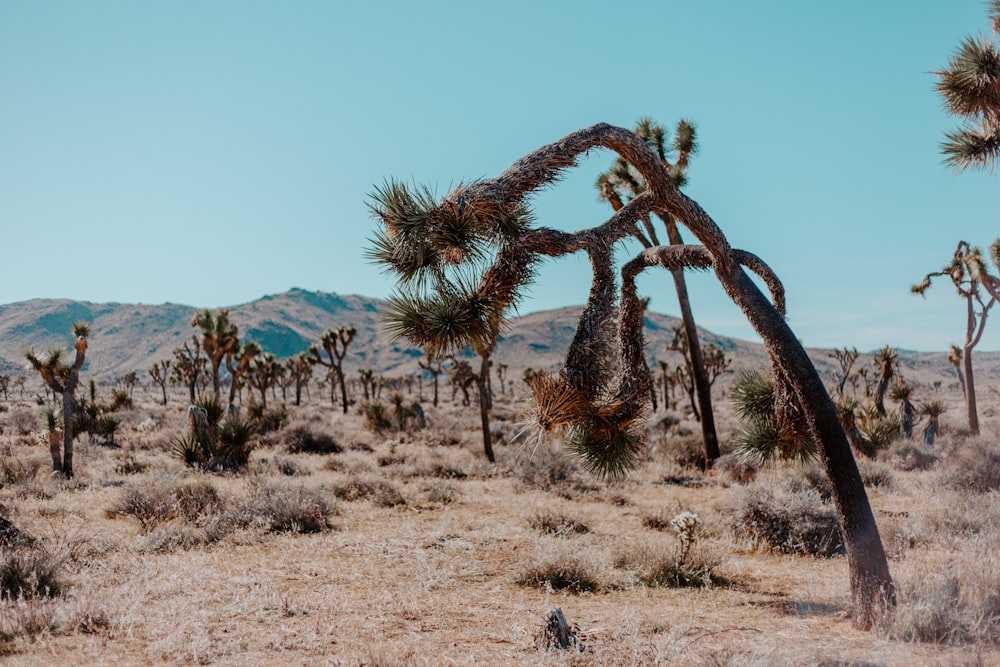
{"points": [[209, 153]]}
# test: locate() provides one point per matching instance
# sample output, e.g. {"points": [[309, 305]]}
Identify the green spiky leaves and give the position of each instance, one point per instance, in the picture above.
{"points": [[970, 88], [449, 259], [771, 423], [445, 322]]}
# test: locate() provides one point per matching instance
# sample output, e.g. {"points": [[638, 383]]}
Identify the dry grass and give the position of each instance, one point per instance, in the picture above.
{"points": [[404, 549]]}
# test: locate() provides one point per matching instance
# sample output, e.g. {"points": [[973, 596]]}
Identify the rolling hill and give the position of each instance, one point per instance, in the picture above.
{"points": [[130, 337]]}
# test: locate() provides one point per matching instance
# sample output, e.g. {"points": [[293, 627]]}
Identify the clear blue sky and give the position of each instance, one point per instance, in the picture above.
{"points": [[209, 153]]}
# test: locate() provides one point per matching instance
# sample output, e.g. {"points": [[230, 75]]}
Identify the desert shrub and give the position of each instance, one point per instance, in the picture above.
{"points": [[441, 492], [14, 470], [908, 455], [553, 523], [552, 471], [303, 438], [130, 466], [569, 572], [378, 491], [23, 420], [738, 469], [267, 420], [29, 572], [687, 563], [149, 503], [974, 467], [289, 467], [280, 508], [196, 499], [958, 603], [156, 502], [440, 471], [876, 475], [787, 521]]}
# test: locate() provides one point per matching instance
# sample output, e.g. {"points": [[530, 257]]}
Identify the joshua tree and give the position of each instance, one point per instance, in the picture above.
{"points": [[969, 86], [434, 366], [63, 380], [367, 378], [334, 342], [219, 339], [189, 365], [299, 370], [885, 368], [160, 374], [4, 385], [933, 410], [901, 393], [845, 358], [968, 273], [623, 182], [480, 235], [501, 370], [461, 375], [261, 370]]}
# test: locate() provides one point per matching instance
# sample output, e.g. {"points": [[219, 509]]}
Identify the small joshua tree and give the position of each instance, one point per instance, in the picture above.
{"points": [[434, 366], [334, 342], [299, 370], [968, 273], [901, 393], [189, 366], [63, 381], [463, 262], [885, 369], [160, 374]]}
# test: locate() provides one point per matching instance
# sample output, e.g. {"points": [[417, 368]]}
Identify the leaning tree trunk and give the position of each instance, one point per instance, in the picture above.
{"points": [[872, 589], [699, 376], [970, 392]]}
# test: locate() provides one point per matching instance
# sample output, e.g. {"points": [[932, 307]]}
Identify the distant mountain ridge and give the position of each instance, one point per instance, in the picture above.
{"points": [[129, 337]]}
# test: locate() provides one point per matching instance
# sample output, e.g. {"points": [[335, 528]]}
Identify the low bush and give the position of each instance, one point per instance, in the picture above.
{"points": [[974, 467], [552, 523], [304, 438], [281, 508], [787, 521], [562, 572], [378, 491], [29, 572]]}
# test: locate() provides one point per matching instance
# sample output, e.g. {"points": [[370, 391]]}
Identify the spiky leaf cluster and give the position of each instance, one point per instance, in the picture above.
{"points": [[452, 294], [970, 88], [771, 423]]}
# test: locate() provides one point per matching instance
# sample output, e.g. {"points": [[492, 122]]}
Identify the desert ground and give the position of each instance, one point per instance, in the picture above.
{"points": [[341, 545]]}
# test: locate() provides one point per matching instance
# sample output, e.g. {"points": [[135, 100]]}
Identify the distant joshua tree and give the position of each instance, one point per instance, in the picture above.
{"points": [[219, 339], [885, 369], [463, 262], [300, 371], [160, 374], [335, 343], [189, 366], [434, 366], [63, 381], [969, 86], [968, 272]]}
